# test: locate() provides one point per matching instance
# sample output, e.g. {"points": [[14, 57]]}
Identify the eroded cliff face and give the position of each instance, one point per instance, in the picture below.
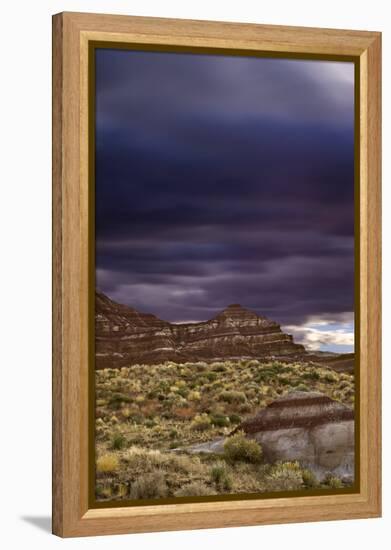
{"points": [[308, 427], [125, 336]]}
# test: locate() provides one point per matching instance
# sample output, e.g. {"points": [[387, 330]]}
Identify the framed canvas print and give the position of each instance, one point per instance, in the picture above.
{"points": [[216, 235]]}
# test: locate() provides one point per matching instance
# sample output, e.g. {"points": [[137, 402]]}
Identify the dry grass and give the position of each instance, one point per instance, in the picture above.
{"points": [[149, 486], [194, 489], [144, 412], [285, 476], [107, 463]]}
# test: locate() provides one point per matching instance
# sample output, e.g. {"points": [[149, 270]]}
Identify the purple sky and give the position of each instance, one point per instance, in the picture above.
{"points": [[227, 180]]}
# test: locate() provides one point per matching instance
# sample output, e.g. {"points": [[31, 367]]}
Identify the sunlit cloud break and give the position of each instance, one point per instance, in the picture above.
{"points": [[322, 334]]}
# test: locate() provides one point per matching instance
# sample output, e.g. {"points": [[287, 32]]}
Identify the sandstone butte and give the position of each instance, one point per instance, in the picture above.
{"points": [[124, 337]]}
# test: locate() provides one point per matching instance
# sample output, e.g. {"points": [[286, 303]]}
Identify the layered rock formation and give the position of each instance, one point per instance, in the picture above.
{"points": [[308, 427], [125, 336]]}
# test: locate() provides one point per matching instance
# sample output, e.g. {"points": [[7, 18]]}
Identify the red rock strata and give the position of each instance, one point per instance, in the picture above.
{"points": [[125, 337], [298, 410]]}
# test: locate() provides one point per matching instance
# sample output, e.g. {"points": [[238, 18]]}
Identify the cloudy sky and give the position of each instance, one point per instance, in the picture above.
{"points": [[226, 180]]}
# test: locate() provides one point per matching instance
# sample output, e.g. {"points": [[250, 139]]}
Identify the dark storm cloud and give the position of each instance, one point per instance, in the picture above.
{"points": [[221, 180]]}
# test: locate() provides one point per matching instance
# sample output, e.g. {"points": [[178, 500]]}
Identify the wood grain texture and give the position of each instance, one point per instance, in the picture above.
{"points": [[218, 34], [373, 222], [57, 462], [71, 35]]}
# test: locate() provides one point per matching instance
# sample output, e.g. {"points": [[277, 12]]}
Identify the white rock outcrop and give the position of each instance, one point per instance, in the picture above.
{"points": [[308, 427]]}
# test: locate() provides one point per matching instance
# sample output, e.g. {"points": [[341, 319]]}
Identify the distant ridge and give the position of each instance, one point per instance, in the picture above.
{"points": [[125, 336]]}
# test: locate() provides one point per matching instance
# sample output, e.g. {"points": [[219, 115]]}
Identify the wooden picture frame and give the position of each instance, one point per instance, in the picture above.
{"points": [[72, 34]]}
